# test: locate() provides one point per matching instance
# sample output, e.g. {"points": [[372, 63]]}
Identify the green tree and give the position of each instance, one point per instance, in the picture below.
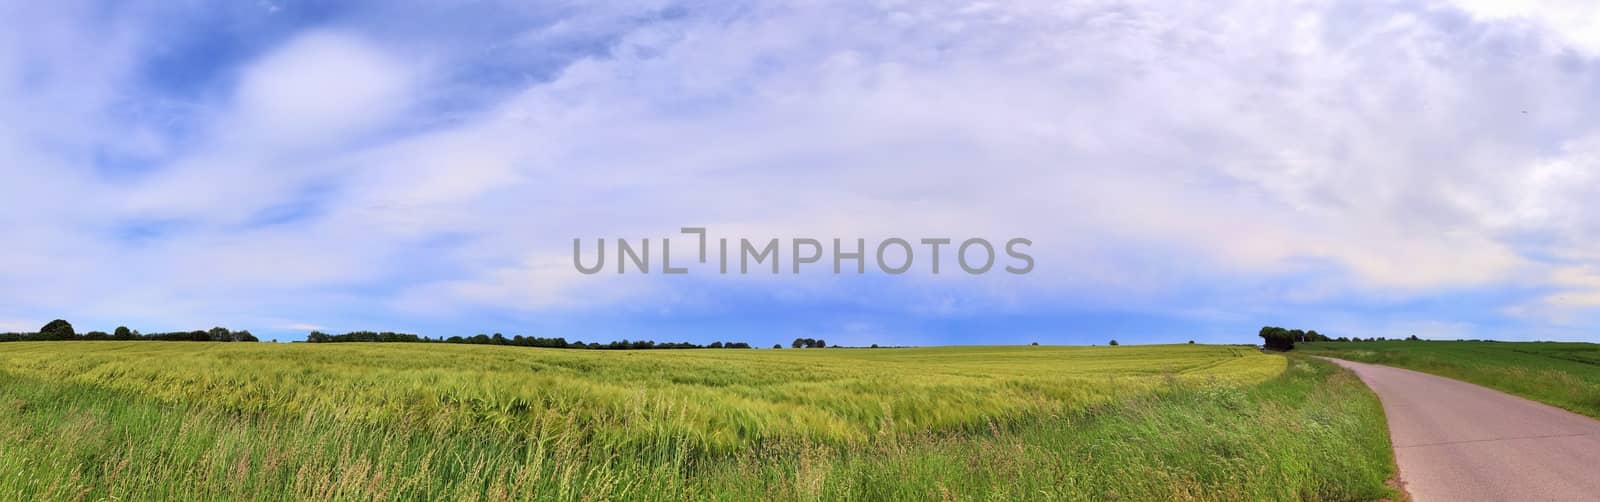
{"points": [[1276, 338], [57, 330], [1114, 343]]}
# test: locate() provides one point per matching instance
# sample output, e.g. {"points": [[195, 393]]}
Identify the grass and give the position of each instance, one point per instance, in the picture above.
{"points": [[120, 420], [1561, 374]]}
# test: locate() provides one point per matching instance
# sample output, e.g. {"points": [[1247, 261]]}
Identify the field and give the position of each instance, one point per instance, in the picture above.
{"points": [[1561, 374], [120, 420]]}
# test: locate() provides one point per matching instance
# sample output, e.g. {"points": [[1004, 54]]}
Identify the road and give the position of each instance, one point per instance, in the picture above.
{"points": [[1456, 441]]}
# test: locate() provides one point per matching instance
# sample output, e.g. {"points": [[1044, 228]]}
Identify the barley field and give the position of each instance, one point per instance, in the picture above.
{"points": [[141, 420]]}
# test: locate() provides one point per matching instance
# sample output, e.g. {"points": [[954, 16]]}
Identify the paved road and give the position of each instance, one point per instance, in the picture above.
{"points": [[1457, 441]]}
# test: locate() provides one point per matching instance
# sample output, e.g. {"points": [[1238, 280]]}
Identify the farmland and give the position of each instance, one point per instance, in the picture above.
{"points": [[96, 420], [1561, 374]]}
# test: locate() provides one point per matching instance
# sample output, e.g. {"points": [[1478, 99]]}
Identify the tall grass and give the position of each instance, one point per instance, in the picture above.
{"points": [[90, 421], [705, 400]]}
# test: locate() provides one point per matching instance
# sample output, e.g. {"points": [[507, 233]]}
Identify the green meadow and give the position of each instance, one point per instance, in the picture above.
{"points": [[1561, 374], [190, 420]]}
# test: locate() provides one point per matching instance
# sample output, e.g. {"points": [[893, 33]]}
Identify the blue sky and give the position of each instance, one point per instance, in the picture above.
{"points": [[1184, 171]]}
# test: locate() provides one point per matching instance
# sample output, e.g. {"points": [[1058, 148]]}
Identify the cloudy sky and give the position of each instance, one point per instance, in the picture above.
{"points": [[1184, 170]]}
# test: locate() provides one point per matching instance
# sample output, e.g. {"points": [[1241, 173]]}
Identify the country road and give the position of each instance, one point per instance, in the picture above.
{"points": [[1456, 441]]}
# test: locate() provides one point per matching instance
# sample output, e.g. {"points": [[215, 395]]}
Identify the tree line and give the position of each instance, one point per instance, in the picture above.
{"points": [[1276, 338], [1412, 338], [60, 330], [515, 341]]}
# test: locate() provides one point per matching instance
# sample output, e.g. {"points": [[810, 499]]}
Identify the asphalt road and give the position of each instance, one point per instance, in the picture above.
{"points": [[1456, 441]]}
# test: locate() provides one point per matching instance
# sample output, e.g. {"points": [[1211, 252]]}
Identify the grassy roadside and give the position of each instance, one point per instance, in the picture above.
{"points": [[1311, 433], [1566, 375]]}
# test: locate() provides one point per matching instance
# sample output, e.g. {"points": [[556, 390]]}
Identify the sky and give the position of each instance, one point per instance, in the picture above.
{"points": [[1184, 170]]}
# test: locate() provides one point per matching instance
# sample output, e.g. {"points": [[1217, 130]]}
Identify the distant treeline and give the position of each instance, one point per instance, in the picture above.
{"points": [[1412, 338], [1276, 338], [516, 341], [62, 330]]}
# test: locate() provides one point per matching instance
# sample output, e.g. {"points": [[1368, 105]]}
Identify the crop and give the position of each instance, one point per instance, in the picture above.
{"points": [[93, 420]]}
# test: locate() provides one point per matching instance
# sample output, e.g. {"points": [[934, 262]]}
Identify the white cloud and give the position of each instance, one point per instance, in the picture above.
{"points": [[319, 86], [1150, 149], [1570, 22], [1143, 127]]}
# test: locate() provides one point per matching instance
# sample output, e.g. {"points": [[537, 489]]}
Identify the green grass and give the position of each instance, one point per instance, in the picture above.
{"points": [[1561, 374], [140, 420]]}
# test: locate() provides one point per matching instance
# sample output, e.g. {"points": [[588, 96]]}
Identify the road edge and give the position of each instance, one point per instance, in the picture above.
{"points": [[1398, 482]]}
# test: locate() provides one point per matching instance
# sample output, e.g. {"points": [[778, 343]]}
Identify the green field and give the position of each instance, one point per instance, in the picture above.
{"points": [[120, 420], [1562, 374]]}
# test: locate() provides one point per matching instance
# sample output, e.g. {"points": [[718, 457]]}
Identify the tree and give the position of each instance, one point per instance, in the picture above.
{"points": [[1413, 338], [1035, 344], [57, 330], [1297, 335], [777, 345], [1276, 338], [1113, 343], [822, 344], [1191, 342], [798, 343], [220, 334], [122, 333]]}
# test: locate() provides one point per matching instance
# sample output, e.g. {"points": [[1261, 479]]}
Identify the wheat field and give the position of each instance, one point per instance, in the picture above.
{"points": [[116, 420]]}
